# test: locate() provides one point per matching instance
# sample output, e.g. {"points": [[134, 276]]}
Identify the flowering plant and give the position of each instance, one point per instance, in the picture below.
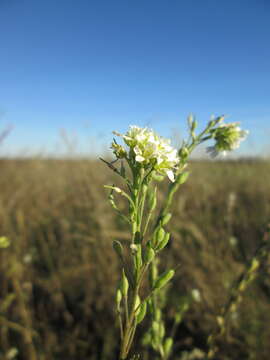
{"points": [[148, 149], [228, 137], [150, 158]]}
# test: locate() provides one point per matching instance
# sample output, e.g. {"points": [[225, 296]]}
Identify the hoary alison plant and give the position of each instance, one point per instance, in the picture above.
{"points": [[145, 160]]}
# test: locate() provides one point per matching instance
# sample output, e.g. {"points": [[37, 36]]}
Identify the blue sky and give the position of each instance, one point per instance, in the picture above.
{"points": [[90, 67]]}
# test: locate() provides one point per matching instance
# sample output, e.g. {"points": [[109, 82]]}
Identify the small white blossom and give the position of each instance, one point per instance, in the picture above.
{"points": [[133, 248], [196, 295], [151, 150], [228, 137]]}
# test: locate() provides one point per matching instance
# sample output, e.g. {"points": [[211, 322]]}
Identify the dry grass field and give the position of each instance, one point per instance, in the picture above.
{"points": [[58, 277]]}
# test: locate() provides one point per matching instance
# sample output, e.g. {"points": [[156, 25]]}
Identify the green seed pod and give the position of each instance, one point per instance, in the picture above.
{"points": [[124, 285], [166, 219], [163, 279], [138, 257], [142, 312], [160, 234], [182, 178], [152, 199], [149, 255], [157, 237], [155, 327], [153, 273], [164, 242], [161, 330], [118, 248], [157, 314], [168, 343], [118, 298]]}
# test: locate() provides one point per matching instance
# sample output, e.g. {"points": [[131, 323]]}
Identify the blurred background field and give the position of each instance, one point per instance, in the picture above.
{"points": [[85, 68], [58, 277]]}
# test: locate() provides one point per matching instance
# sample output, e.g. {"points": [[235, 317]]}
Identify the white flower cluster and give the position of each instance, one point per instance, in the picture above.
{"points": [[228, 137], [149, 149]]}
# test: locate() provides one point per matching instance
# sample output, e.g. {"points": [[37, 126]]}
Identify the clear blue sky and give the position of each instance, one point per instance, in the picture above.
{"points": [[94, 66]]}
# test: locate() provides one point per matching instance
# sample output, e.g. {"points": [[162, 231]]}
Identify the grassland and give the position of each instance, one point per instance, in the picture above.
{"points": [[58, 278]]}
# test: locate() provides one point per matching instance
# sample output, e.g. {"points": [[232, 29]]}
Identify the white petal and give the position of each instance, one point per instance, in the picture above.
{"points": [[139, 158], [170, 175]]}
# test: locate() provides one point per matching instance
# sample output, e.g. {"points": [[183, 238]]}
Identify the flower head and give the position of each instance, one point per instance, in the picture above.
{"points": [[150, 150], [228, 137]]}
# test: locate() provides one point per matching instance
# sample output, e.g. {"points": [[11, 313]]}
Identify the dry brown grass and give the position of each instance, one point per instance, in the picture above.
{"points": [[62, 271]]}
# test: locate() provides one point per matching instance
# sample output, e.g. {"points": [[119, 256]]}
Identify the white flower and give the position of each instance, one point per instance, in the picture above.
{"points": [[228, 137], [151, 150]]}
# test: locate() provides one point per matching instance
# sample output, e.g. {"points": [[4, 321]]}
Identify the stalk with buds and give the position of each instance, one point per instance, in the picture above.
{"points": [[145, 161]]}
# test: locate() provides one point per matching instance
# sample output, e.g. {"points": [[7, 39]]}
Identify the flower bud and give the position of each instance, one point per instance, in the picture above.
{"points": [[124, 285], [118, 150], [164, 242], [117, 189], [118, 298], [183, 152], [190, 120], [133, 248], [149, 255], [166, 219], [194, 125]]}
